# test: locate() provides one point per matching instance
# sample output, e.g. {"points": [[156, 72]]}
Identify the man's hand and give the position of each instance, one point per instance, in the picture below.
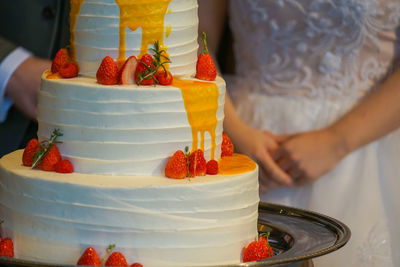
{"points": [[23, 86]]}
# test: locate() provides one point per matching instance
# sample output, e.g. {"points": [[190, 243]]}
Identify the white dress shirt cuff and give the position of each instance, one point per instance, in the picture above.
{"points": [[7, 68]]}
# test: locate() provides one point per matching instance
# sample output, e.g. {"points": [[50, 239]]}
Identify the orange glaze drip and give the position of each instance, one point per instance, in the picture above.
{"points": [[201, 104], [75, 9], [168, 30], [236, 164], [146, 14], [51, 76]]}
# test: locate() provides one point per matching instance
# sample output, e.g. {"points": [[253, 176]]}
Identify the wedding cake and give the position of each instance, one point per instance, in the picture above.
{"points": [[119, 139]]}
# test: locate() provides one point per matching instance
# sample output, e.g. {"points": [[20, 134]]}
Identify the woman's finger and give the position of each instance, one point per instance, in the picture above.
{"points": [[274, 171]]}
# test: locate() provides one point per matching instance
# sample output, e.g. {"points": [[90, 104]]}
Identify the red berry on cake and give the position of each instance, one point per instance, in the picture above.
{"points": [[29, 153], [69, 70], [164, 78], [197, 163], [145, 71], [108, 73], [226, 147], [51, 159], [212, 167], [257, 250], [177, 166], [127, 73], [61, 57], [89, 258], [64, 166], [7, 248], [116, 259], [205, 68], [136, 264]]}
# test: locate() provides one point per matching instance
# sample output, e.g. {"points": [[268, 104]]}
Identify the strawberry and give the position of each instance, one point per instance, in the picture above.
{"points": [[51, 159], [212, 167], [226, 147], [107, 73], [144, 74], [116, 259], [177, 166], [31, 148], [257, 250], [61, 57], [164, 78], [89, 258], [197, 163], [205, 67], [64, 166], [7, 248], [136, 264], [69, 70], [127, 73]]}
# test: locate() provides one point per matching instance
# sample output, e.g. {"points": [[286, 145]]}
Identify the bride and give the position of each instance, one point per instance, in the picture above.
{"points": [[316, 102]]}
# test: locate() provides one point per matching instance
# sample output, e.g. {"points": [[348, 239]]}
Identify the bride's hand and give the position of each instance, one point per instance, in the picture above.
{"points": [[260, 145], [307, 156]]}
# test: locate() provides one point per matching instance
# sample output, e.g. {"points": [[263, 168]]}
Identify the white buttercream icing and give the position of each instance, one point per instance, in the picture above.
{"points": [[153, 220]]}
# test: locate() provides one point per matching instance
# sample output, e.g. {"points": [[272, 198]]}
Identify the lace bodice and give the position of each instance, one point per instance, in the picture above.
{"points": [[316, 48]]}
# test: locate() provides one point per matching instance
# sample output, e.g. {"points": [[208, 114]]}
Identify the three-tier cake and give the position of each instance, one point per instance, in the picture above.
{"points": [[119, 139]]}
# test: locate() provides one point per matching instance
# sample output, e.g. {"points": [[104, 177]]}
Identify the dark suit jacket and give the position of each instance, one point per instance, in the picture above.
{"points": [[41, 26]]}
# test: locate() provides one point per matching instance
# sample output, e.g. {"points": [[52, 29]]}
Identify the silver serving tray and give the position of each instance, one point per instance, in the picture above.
{"points": [[296, 235]]}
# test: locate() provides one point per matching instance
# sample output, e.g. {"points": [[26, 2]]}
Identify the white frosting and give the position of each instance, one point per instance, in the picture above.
{"points": [[97, 35], [153, 220], [119, 130]]}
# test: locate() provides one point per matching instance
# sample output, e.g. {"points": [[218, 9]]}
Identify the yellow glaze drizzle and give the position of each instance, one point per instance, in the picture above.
{"points": [[201, 104], [236, 164], [168, 30], [146, 14], [75, 9], [51, 76]]}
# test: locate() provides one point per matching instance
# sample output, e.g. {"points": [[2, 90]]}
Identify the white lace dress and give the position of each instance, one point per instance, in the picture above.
{"points": [[302, 64]]}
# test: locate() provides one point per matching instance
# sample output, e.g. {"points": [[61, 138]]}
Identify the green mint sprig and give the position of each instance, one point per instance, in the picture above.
{"points": [[45, 147], [158, 62]]}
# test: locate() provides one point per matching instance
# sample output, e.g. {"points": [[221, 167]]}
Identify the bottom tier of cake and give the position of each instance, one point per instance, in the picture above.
{"points": [[153, 220]]}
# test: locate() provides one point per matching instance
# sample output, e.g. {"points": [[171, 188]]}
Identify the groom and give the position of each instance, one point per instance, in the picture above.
{"points": [[31, 34]]}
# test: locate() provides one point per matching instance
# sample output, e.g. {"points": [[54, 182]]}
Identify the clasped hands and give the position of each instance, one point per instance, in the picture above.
{"points": [[292, 159]]}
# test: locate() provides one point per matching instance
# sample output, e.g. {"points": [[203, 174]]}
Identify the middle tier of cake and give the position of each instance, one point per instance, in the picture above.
{"points": [[131, 130]]}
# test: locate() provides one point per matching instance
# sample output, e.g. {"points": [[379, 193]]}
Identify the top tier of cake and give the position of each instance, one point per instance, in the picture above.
{"points": [[122, 28]]}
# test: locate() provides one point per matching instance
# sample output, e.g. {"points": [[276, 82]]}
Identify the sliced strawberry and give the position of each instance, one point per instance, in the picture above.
{"points": [[205, 67], [212, 167], [116, 259], [31, 148], [127, 73], [197, 163], [61, 57], [64, 166], [89, 258], [108, 73], [7, 248], [226, 146], [69, 70], [177, 166], [136, 264], [51, 159], [164, 78]]}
